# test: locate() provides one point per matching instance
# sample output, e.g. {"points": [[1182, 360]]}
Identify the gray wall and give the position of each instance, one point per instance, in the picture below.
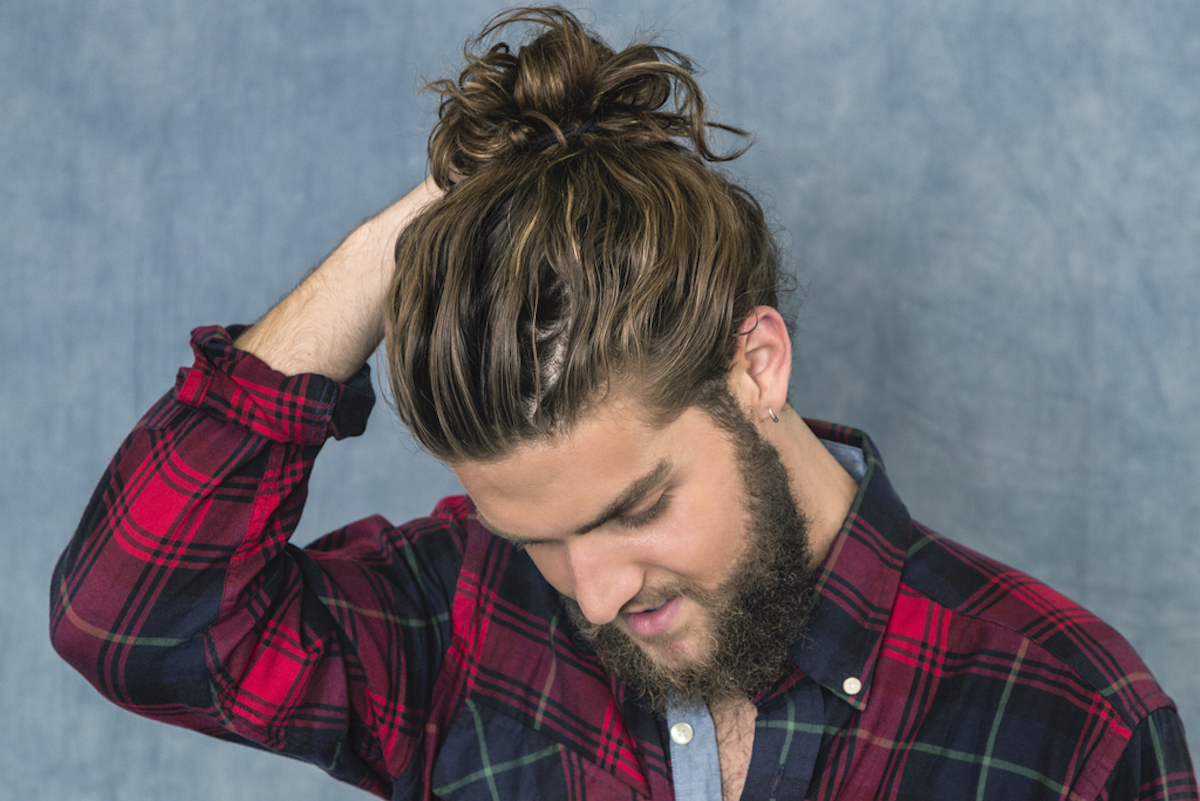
{"points": [[993, 208]]}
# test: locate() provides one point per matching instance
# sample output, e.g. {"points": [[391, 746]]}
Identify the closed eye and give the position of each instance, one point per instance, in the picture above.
{"points": [[522, 545], [642, 518]]}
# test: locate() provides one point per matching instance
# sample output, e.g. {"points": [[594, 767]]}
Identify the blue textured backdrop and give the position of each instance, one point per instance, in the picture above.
{"points": [[993, 206]]}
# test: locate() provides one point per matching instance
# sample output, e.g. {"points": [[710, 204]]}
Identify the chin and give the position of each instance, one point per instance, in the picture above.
{"points": [[675, 651]]}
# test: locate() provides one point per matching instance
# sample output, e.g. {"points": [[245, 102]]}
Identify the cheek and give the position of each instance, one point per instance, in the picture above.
{"points": [[697, 549], [712, 534]]}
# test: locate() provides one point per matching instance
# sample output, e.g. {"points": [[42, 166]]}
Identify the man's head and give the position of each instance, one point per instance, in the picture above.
{"points": [[680, 549], [580, 327]]}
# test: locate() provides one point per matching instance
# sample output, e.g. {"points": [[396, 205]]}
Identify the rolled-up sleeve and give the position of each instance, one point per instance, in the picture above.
{"points": [[180, 598]]}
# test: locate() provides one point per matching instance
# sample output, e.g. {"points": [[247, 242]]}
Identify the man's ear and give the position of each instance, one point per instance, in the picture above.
{"points": [[762, 363]]}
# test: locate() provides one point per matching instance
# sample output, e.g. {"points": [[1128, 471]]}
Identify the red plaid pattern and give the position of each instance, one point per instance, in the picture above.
{"points": [[431, 659]]}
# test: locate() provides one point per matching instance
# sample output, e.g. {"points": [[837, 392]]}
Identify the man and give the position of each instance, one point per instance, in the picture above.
{"points": [[663, 582]]}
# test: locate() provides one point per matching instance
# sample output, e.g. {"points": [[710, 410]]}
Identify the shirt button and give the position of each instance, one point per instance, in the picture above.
{"points": [[852, 686], [682, 733]]}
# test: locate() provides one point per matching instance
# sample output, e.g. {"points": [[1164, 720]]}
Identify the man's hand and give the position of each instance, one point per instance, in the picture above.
{"points": [[332, 322]]}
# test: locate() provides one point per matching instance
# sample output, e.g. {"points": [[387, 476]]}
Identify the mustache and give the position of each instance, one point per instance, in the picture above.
{"points": [[650, 597]]}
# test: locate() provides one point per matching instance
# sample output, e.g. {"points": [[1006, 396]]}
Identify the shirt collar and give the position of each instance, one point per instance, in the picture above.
{"points": [[857, 581]]}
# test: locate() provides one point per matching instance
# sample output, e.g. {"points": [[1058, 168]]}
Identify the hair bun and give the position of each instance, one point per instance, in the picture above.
{"points": [[562, 87]]}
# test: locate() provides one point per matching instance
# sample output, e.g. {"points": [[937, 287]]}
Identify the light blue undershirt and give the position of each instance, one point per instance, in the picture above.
{"points": [[849, 457], [696, 766]]}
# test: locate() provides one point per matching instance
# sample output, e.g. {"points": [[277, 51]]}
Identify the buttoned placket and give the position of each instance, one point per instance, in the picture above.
{"points": [[695, 763]]}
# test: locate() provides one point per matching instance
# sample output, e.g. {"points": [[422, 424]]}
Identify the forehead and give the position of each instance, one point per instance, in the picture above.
{"points": [[547, 489]]}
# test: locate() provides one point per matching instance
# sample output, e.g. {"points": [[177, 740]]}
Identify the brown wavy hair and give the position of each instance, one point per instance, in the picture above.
{"points": [[585, 244]]}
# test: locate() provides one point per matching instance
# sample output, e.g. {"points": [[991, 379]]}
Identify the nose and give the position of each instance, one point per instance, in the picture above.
{"points": [[603, 580]]}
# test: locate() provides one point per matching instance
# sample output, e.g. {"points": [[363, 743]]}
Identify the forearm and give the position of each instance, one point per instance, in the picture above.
{"points": [[333, 320]]}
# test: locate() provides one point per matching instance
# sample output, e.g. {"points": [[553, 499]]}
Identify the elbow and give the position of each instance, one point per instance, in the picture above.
{"points": [[69, 636]]}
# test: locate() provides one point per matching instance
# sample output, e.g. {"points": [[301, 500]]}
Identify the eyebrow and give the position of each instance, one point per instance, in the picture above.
{"points": [[629, 497]]}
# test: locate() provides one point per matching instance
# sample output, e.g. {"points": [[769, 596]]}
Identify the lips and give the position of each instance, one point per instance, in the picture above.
{"points": [[655, 620]]}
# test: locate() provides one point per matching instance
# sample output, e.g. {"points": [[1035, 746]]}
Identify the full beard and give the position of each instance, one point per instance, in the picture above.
{"points": [[755, 616]]}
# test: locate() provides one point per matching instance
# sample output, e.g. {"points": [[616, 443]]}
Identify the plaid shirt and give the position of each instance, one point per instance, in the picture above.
{"points": [[432, 660]]}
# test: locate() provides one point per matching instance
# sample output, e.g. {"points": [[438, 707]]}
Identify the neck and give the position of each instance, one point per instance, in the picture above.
{"points": [[822, 487]]}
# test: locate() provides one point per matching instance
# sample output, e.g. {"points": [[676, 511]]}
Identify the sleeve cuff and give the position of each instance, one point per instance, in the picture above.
{"points": [[237, 387]]}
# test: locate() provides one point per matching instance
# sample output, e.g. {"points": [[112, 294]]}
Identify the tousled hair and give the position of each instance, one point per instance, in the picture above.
{"points": [[584, 244]]}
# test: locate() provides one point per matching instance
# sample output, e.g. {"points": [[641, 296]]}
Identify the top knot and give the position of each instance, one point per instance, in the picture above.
{"points": [[562, 87], [562, 135]]}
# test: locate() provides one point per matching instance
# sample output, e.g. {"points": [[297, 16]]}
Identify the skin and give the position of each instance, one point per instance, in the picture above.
{"points": [[333, 320]]}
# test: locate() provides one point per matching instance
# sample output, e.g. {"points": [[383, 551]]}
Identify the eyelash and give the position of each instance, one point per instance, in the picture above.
{"points": [[647, 516]]}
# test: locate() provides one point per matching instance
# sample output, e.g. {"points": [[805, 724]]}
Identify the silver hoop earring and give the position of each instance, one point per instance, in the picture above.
{"points": [[771, 412]]}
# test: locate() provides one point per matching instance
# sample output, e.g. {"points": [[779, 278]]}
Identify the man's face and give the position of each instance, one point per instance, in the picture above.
{"points": [[680, 550]]}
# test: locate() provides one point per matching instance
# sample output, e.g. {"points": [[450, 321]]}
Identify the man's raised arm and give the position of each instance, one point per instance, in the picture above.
{"points": [[179, 596], [332, 322]]}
